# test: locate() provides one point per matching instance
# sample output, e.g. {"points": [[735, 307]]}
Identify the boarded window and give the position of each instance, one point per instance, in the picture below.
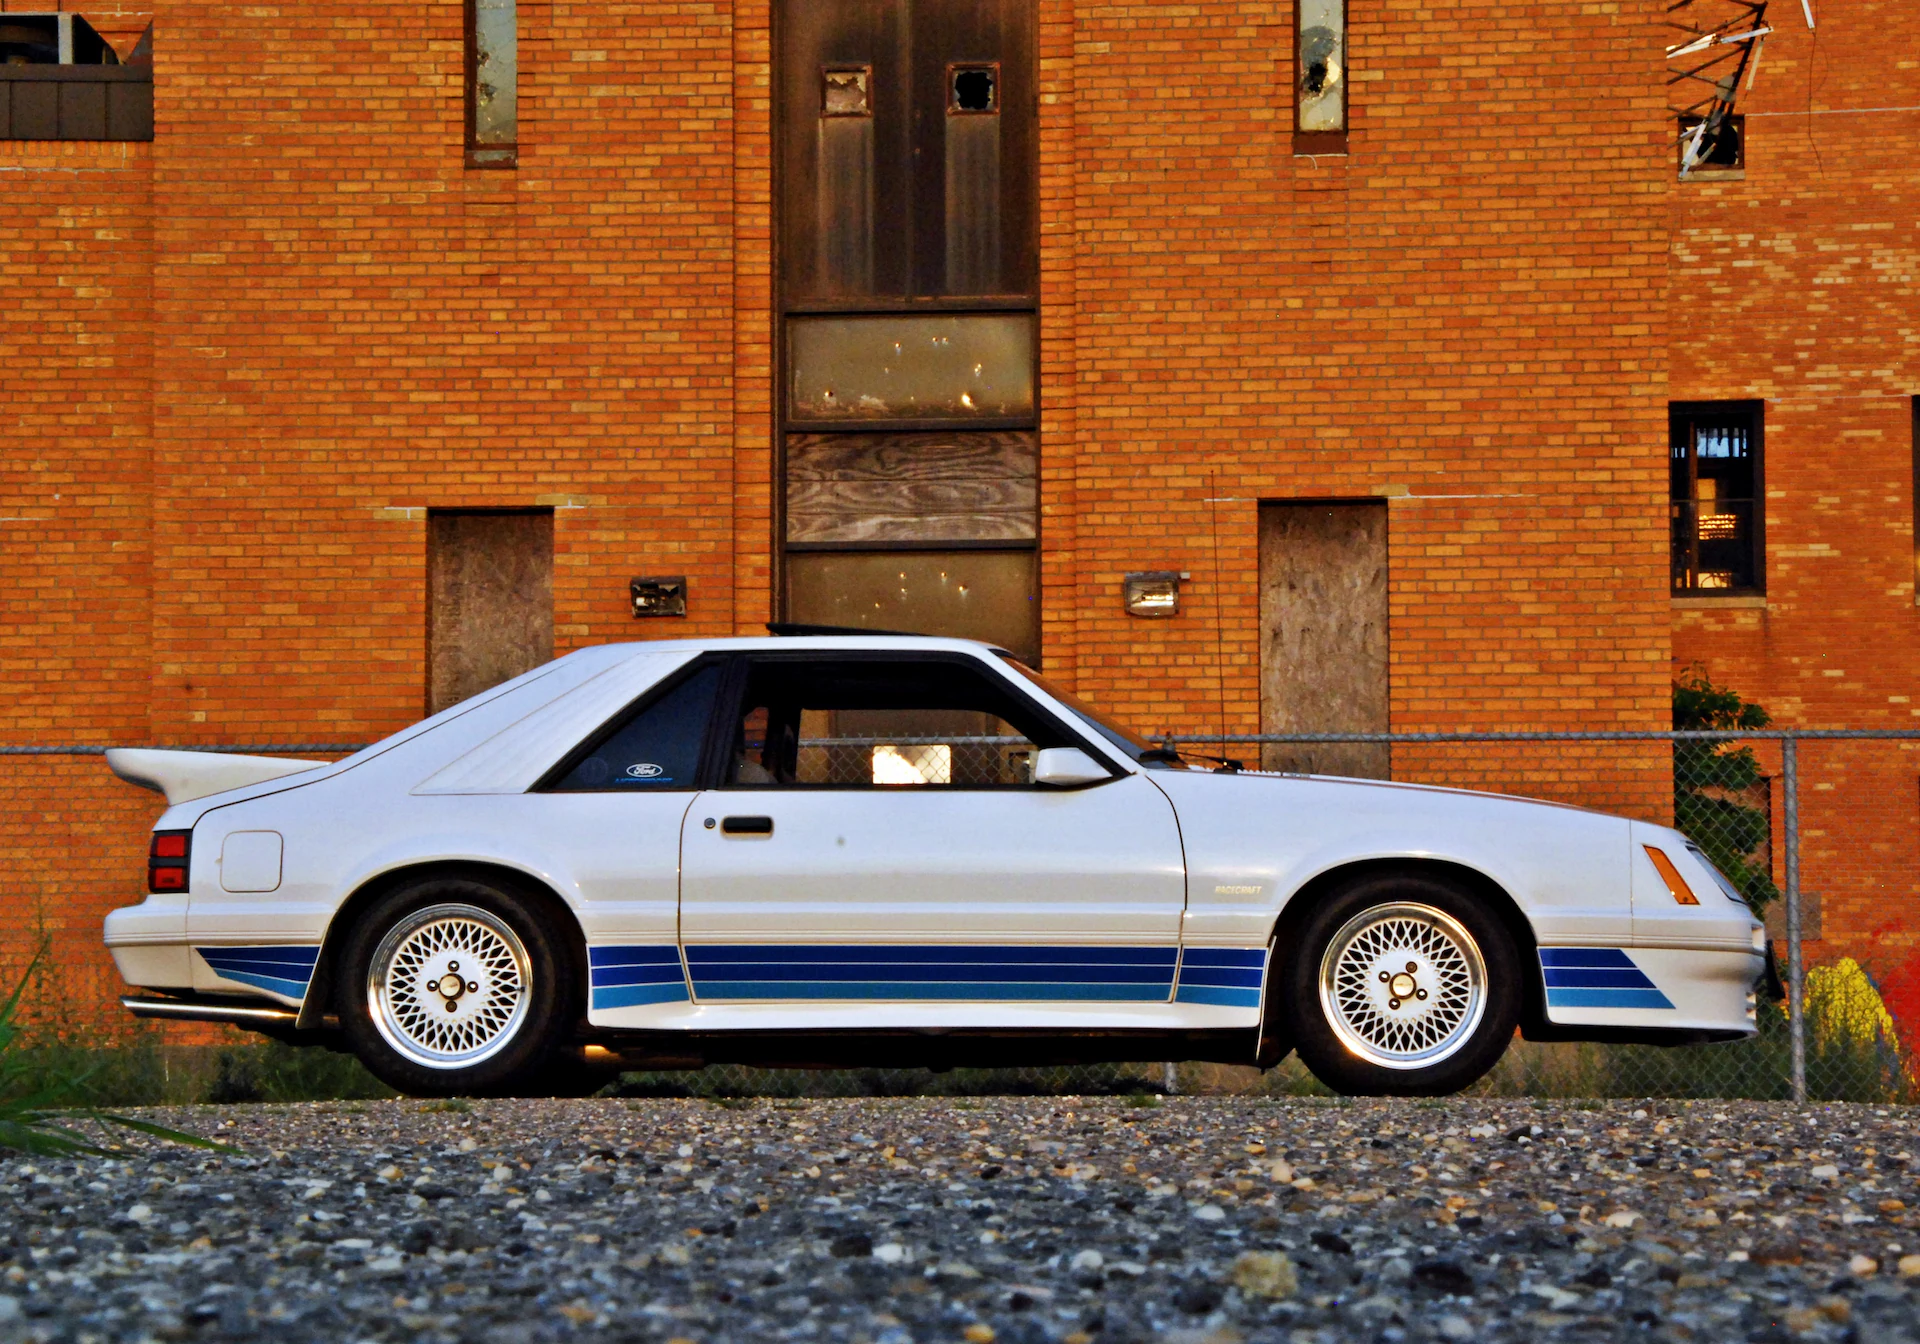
{"points": [[1323, 635], [912, 488], [489, 600]]}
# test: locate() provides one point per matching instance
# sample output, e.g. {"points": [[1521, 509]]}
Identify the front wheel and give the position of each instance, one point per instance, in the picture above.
{"points": [[1403, 985], [452, 987]]}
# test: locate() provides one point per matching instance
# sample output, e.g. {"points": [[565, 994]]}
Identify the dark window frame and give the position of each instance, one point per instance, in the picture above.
{"points": [[1307, 143], [489, 156], [730, 706], [1690, 413]]}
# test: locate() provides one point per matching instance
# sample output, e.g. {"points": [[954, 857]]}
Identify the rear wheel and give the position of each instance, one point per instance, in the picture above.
{"points": [[455, 987], [1403, 985]]}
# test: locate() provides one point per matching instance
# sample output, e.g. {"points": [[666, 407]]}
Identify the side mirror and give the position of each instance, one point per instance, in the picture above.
{"points": [[1063, 767]]}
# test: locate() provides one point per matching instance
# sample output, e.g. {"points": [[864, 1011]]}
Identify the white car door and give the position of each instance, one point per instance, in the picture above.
{"points": [[876, 837]]}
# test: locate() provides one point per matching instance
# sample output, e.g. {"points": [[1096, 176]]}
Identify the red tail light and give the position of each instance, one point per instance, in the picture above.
{"points": [[167, 859]]}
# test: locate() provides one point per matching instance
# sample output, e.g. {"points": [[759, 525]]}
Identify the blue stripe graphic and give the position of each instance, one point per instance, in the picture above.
{"points": [[285, 970], [1586, 956], [1597, 977], [1225, 977], [633, 974], [1608, 998], [933, 972], [658, 955], [921, 989], [931, 954]]}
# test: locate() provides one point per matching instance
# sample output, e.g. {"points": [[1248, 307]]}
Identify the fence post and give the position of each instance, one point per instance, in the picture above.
{"points": [[1796, 971]]}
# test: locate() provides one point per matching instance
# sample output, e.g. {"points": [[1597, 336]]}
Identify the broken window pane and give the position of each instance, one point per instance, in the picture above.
{"points": [[844, 91], [971, 366], [1321, 78], [974, 88], [1720, 144], [493, 98]]}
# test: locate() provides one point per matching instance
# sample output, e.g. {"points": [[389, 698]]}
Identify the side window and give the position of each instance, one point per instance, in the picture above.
{"points": [[883, 723], [658, 748]]}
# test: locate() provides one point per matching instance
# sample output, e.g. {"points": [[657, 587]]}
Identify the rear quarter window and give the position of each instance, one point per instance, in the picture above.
{"points": [[657, 747]]}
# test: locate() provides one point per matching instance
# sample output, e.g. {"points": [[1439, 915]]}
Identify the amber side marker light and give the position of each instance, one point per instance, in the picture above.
{"points": [[167, 860], [1676, 885]]}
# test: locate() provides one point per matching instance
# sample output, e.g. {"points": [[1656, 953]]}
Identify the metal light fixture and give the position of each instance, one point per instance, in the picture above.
{"points": [[1152, 593], [659, 596]]}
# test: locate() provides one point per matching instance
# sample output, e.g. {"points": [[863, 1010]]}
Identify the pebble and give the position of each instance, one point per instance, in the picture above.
{"points": [[1053, 1220]]}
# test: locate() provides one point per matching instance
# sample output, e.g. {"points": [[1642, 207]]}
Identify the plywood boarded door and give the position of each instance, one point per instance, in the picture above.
{"points": [[489, 599], [1323, 634]]}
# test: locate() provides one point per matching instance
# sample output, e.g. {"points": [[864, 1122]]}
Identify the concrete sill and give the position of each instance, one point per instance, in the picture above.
{"points": [[1750, 602]]}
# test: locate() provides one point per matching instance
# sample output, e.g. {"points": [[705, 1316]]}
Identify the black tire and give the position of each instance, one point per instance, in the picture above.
{"points": [[514, 1007], [1346, 1023]]}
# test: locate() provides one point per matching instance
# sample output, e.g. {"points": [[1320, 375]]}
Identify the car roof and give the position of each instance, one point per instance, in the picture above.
{"points": [[885, 643]]}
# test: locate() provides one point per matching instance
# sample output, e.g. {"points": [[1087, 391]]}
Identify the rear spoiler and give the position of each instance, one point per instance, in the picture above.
{"points": [[185, 775]]}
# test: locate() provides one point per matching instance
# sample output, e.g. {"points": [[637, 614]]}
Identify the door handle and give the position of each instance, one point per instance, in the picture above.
{"points": [[746, 826]]}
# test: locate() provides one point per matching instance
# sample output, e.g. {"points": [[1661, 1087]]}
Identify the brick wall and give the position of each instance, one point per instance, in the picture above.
{"points": [[260, 348], [1799, 283]]}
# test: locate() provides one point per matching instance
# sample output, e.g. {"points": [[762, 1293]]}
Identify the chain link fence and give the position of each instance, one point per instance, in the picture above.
{"points": [[1816, 829]]}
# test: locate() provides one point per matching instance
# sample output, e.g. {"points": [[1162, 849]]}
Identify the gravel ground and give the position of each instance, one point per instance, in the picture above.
{"points": [[1015, 1219]]}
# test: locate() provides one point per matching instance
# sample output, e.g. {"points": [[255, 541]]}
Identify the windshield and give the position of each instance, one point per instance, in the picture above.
{"points": [[1119, 735]]}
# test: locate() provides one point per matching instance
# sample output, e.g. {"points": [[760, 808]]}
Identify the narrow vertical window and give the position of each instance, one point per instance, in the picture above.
{"points": [[1914, 443], [1715, 473], [1320, 77], [493, 78]]}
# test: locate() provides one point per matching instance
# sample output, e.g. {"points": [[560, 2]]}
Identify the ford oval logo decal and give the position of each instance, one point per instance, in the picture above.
{"points": [[645, 770]]}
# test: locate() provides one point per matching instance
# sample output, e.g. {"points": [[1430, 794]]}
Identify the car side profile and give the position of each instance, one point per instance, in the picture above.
{"points": [[831, 849]]}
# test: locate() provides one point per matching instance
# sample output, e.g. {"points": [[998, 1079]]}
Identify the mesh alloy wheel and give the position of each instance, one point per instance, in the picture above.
{"points": [[449, 986], [1403, 986]]}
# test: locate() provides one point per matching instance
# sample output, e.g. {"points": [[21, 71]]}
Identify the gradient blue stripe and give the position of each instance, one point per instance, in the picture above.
{"points": [[1585, 956], [1218, 995], [1245, 977], [627, 996], [299, 958], [983, 971], [1607, 998], [638, 955], [293, 989], [1597, 977], [898, 954], [637, 975], [1225, 956], [920, 989], [285, 970]]}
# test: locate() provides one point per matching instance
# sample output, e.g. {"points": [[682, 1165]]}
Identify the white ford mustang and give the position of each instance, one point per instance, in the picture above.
{"points": [[892, 850]]}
